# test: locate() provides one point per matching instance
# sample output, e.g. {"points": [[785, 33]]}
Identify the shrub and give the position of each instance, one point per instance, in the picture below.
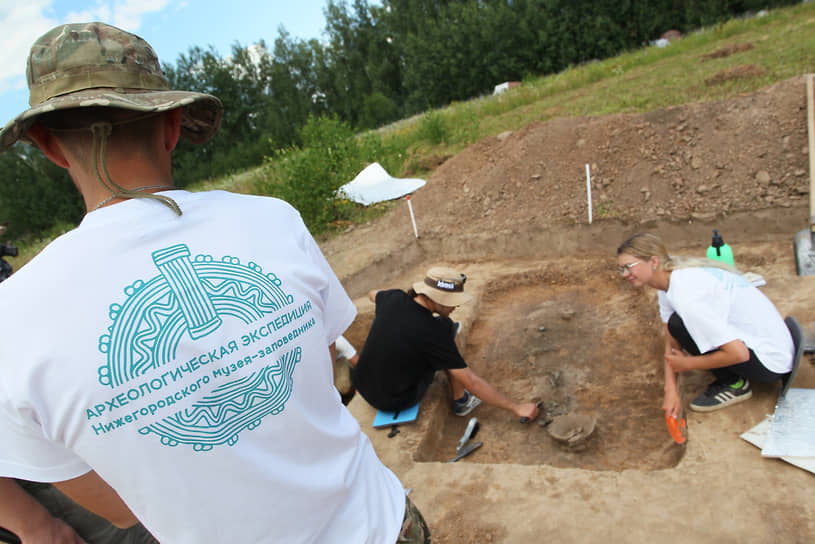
{"points": [[308, 177], [378, 109], [433, 128]]}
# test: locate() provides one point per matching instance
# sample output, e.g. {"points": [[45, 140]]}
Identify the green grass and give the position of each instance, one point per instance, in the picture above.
{"points": [[29, 247]]}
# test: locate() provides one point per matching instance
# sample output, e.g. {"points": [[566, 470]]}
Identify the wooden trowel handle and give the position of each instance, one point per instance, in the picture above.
{"points": [[811, 137]]}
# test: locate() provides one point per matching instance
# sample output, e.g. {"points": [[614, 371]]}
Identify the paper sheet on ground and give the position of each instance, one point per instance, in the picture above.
{"points": [[758, 434], [792, 429], [374, 184]]}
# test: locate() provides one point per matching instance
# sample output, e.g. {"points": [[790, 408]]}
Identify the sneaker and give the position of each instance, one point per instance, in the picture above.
{"points": [[720, 395], [464, 407]]}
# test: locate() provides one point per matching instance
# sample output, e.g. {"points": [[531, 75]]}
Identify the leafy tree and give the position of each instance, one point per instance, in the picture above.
{"points": [[35, 194], [377, 109], [291, 81], [236, 82], [345, 79]]}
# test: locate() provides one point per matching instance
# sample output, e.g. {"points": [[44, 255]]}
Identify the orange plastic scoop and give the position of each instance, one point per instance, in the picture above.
{"points": [[677, 428]]}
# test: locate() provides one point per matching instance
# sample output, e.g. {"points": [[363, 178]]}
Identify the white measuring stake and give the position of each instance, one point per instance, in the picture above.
{"points": [[588, 188], [412, 218]]}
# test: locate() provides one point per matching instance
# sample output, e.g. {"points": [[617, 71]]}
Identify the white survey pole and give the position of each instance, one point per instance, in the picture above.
{"points": [[588, 188], [412, 218]]}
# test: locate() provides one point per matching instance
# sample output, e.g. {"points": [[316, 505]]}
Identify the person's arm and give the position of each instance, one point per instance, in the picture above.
{"points": [[92, 492], [482, 389], [671, 402], [372, 295], [24, 516], [731, 353]]}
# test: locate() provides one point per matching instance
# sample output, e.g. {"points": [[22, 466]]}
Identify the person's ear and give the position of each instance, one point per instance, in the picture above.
{"points": [[654, 262], [44, 139], [171, 128]]}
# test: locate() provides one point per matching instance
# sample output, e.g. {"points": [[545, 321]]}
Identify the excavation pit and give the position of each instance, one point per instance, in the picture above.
{"points": [[579, 341]]}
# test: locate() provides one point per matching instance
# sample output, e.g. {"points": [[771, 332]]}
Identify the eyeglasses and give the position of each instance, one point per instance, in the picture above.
{"points": [[622, 269]]}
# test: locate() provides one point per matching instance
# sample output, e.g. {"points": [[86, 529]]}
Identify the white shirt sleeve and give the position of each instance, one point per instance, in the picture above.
{"points": [[665, 306], [344, 348], [340, 310], [26, 453]]}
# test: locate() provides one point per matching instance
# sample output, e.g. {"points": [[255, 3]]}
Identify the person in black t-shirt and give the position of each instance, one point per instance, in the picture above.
{"points": [[411, 337]]}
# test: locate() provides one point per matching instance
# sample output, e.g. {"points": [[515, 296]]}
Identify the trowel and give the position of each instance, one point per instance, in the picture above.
{"points": [[804, 246], [677, 427], [466, 450], [469, 434], [464, 447]]}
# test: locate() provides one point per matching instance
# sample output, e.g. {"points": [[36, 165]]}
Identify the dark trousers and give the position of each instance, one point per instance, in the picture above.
{"points": [[751, 369], [92, 528]]}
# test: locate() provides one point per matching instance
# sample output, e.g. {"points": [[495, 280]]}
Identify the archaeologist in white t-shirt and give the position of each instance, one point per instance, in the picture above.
{"points": [[714, 320], [175, 370]]}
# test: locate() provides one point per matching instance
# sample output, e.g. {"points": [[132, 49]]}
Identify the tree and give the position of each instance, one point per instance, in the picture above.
{"points": [[35, 194]]}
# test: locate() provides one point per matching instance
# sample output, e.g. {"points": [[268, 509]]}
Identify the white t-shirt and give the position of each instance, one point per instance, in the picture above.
{"points": [[718, 307], [185, 360]]}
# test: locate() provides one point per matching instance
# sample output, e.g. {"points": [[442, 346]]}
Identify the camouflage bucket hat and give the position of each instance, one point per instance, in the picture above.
{"points": [[95, 64]]}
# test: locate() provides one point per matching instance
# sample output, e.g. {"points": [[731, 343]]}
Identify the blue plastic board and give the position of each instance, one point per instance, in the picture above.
{"points": [[385, 419]]}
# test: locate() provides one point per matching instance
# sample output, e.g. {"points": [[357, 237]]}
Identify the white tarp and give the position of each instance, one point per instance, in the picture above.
{"points": [[374, 184]]}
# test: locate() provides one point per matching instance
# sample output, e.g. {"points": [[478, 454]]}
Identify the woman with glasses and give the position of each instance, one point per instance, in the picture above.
{"points": [[714, 320]]}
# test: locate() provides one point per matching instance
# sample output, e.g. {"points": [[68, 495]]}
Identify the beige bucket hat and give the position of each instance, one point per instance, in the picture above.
{"points": [[443, 286], [95, 64]]}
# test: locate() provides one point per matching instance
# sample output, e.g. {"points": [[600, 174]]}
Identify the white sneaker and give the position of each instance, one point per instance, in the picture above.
{"points": [[464, 408]]}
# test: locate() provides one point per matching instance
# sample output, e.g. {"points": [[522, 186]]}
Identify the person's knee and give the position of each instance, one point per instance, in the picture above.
{"points": [[676, 326]]}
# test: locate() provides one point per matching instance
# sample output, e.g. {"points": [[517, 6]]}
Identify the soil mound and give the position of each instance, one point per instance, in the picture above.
{"points": [[740, 162]]}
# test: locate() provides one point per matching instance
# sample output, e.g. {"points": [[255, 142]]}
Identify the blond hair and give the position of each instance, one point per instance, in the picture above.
{"points": [[645, 245]]}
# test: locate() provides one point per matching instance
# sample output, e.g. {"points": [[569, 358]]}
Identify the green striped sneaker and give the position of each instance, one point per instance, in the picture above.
{"points": [[721, 395]]}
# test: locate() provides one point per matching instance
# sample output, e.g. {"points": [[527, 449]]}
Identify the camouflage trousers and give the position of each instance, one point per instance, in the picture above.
{"points": [[414, 529]]}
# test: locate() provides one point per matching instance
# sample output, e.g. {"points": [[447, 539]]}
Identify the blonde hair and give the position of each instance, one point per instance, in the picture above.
{"points": [[645, 245]]}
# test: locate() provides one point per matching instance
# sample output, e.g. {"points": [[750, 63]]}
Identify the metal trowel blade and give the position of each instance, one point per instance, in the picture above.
{"points": [[466, 450], [469, 434]]}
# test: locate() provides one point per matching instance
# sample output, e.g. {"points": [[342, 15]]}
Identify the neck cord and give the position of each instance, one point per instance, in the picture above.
{"points": [[100, 132], [145, 188]]}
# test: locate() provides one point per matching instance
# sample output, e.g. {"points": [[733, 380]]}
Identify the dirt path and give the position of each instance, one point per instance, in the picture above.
{"points": [[552, 322]]}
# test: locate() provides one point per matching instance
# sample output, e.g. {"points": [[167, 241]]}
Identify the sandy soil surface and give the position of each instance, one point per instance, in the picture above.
{"points": [[552, 323]]}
